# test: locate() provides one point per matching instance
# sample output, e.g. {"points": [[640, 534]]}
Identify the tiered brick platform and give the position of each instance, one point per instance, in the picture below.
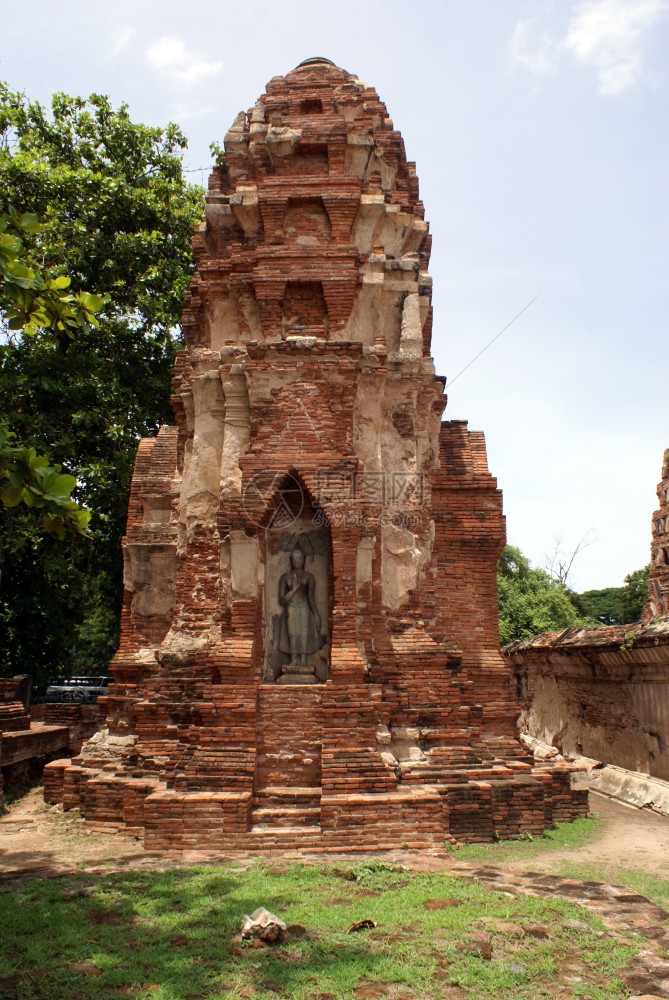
{"points": [[309, 416]]}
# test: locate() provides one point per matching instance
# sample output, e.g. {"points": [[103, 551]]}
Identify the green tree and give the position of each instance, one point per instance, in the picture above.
{"points": [[604, 606], [38, 305], [116, 214], [635, 593], [530, 601], [617, 605]]}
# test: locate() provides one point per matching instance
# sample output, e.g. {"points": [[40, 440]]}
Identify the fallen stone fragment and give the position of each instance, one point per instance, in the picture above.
{"points": [[367, 990], [575, 925], [639, 981], [480, 943], [653, 931], [502, 927], [653, 965], [517, 969], [536, 930], [263, 926]]}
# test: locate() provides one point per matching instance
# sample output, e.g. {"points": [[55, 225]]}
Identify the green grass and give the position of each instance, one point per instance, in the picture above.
{"points": [[169, 935], [563, 836]]}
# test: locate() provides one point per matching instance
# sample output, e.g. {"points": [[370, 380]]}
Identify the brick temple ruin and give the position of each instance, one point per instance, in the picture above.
{"points": [[310, 648]]}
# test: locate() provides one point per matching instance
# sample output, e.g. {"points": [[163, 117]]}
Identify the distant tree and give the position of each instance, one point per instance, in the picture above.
{"points": [[559, 563], [117, 215], [530, 601], [635, 593], [616, 605], [604, 606]]}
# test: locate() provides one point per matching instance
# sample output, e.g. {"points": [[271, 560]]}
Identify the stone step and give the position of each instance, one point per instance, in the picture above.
{"points": [[294, 837], [452, 775], [287, 793], [283, 816]]}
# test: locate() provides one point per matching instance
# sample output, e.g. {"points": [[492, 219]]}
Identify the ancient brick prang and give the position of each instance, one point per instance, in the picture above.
{"points": [[309, 647]]}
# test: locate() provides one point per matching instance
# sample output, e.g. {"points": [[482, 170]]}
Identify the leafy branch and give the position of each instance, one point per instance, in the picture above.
{"points": [[32, 481], [30, 300], [36, 304]]}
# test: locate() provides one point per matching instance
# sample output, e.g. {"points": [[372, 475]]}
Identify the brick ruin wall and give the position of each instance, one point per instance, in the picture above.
{"points": [[32, 738], [604, 692], [308, 412]]}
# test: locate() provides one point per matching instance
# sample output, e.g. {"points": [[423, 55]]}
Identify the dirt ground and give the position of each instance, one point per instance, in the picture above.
{"points": [[38, 840], [628, 838]]}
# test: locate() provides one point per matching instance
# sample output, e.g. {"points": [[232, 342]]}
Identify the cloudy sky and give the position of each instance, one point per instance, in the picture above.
{"points": [[537, 130]]}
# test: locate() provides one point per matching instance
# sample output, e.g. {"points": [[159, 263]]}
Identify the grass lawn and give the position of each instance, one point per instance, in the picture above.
{"points": [[170, 935]]}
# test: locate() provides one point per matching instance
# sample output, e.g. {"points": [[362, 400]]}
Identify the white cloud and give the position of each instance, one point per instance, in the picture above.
{"points": [[609, 35], [184, 110], [606, 34], [120, 41], [539, 57], [170, 56]]}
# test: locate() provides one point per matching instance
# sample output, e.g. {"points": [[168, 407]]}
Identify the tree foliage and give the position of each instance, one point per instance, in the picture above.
{"points": [[617, 605], [31, 300], [115, 214], [38, 305], [530, 601]]}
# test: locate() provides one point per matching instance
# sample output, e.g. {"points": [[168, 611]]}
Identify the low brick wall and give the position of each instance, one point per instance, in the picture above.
{"points": [[50, 733], [599, 692], [24, 753], [82, 722]]}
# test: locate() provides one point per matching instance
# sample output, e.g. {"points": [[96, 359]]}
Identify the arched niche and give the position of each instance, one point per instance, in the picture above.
{"points": [[297, 596]]}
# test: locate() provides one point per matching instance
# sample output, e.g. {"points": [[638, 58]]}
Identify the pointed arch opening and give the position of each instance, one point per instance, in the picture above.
{"points": [[298, 593]]}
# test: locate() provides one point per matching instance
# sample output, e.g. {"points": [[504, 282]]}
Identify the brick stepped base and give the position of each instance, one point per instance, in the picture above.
{"points": [[309, 775], [211, 769], [451, 774], [291, 806], [417, 814], [287, 799]]}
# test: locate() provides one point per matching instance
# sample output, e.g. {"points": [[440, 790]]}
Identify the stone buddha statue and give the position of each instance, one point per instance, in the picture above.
{"points": [[300, 622]]}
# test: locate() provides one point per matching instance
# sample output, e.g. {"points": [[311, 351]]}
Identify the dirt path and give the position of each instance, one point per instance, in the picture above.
{"points": [[39, 839], [628, 838]]}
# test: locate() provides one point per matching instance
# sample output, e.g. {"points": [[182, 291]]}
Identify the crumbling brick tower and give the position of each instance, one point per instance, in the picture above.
{"points": [[657, 604], [309, 651]]}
